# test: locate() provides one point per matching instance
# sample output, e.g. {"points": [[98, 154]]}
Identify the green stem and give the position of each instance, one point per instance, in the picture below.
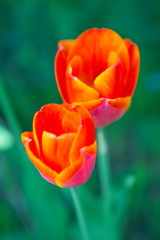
{"points": [[79, 214], [104, 169]]}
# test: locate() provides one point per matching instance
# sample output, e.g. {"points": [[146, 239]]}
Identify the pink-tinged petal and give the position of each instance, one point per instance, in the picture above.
{"points": [[71, 176], [26, 137], [46, 172], [109, 111], [134, 67]]}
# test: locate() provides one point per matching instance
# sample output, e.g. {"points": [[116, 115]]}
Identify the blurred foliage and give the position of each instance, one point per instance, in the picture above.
{"points": [[31, 208]]}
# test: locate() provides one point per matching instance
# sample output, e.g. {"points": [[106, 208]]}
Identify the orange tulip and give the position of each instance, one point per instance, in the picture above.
{"points": [[62, 145], [98, 70]]}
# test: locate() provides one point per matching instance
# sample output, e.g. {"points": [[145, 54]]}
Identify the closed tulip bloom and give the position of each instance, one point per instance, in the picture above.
{"points": [[62, 145], [98, 70]]}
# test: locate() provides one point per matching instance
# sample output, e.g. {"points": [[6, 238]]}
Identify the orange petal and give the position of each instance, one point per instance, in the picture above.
{"points": [[53, 115], [113, 58], [65, 45], [56, 150], [122, 103], [38, 127], [64, 143], [85, 135], [134, 67], [60, 66], [87, 128], [94, 46], [89, 104], [26, 137], [47, 173], [49, 148], [77, 90], [108, 83], [71, 121]]}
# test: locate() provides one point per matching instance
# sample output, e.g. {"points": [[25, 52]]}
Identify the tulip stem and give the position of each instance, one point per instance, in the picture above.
{"points": [[79, 214], [104, 169]]}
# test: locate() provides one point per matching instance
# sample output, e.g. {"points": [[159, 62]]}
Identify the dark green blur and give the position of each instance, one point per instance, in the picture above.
{"points": [[30, 207]]}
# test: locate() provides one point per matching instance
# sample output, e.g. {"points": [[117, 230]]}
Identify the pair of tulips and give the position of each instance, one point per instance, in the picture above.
{"points": [[96, 76]]}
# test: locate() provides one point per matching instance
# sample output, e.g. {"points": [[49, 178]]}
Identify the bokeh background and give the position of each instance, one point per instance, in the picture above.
{"points": [[31, 208]]}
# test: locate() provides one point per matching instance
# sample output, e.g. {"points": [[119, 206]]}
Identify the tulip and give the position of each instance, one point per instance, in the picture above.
{"points": [[62, 145], [98, 70]]}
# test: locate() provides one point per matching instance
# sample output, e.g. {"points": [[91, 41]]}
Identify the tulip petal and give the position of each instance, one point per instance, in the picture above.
{"points": [[78, 173], [60, 66], [94, 46], [49, 148], [134, 67], [38, 127], [71, 121], [64, 143], [47, 173], [52, 115], [87, 128], [109, 111], [113, 58], [89, 104], [108, 83], [65, 45], [77, 90], [26, 137], [56, 150]]}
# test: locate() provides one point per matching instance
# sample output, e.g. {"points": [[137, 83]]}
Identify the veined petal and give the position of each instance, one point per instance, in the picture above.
{"points": [[47, 173]]}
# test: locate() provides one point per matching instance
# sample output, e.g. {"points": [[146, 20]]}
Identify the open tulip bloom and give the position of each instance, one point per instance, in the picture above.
{"points": [[62, 145], [98, 70]]}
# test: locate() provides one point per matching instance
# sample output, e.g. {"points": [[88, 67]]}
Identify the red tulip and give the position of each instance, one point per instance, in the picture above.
{"points": [[62, 145], [98, 70]]}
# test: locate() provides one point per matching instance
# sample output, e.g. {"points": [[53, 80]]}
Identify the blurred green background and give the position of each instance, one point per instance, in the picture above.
{"points": [[31, 208]]}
